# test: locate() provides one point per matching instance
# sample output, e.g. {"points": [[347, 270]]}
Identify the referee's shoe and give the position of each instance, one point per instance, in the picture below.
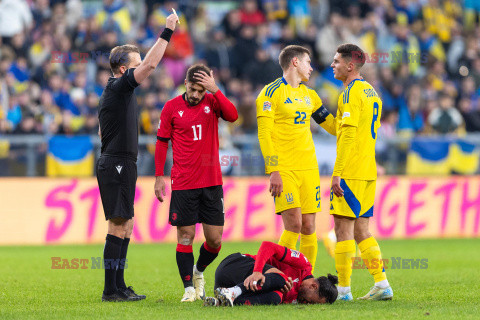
{"points": [[132, 294], [118, 296]]}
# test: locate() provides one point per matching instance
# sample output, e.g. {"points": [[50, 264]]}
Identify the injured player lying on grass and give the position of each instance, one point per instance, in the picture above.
{"points": [[274, 275]]}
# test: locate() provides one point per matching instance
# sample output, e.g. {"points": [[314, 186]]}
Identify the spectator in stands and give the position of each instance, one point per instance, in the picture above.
{"points": [[250, 14], [445, 118], [410, 117], [471, 115], [15, 17]]}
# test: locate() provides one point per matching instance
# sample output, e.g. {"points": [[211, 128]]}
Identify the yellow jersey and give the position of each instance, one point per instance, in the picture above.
{"points": [[283, 115], [359, 106]]}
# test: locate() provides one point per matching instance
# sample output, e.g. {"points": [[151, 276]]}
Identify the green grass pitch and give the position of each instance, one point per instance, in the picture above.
{"points": [[29, 288]]}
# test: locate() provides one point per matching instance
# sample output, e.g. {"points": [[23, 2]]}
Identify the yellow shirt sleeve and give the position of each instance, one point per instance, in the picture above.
{"points": [[329, 124], [351, 109], [346, 141], [265, 120], [348, 128]]}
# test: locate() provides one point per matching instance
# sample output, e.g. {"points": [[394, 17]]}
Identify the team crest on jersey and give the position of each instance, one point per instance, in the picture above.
{"points": [[180, 113], [307, 100], [267, 106], [295, 253], [207, 109], [346, 115], [289, 197]]}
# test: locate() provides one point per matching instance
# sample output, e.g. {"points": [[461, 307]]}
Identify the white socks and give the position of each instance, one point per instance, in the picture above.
{"points": [[237, 291], [343, 290], [189, 289], [382, 284]]}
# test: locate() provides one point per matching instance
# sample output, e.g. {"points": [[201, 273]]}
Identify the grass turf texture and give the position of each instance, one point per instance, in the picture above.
{"points": [[447, 289]]}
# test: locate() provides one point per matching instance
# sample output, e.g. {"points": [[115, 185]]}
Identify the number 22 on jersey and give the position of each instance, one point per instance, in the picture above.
{"points": [[300, 118]]}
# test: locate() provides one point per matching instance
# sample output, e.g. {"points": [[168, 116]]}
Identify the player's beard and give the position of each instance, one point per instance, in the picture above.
{"points": [[192, 102]]}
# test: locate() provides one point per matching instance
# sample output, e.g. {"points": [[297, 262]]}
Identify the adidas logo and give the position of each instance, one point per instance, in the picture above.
{"points": [[119, 169], [288, 101]]}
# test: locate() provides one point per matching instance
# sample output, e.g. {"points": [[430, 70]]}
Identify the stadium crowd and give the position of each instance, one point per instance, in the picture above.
{"points": [[54, 57]]}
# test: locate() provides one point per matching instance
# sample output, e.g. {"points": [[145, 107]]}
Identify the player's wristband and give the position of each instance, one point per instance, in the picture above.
{"points": [[320, 115], [166, 34]]}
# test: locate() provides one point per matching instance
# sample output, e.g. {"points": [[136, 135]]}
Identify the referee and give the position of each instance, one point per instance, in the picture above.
{"points": [[117, 167]]}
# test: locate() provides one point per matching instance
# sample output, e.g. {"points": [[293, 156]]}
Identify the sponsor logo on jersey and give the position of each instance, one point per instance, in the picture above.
{"points": [[267, 106], [295, 253], [298, 100], [180, 113], [207, 109]]}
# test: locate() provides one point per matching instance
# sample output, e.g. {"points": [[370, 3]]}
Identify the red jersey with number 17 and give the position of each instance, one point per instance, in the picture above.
{"points": [[193, 131]]}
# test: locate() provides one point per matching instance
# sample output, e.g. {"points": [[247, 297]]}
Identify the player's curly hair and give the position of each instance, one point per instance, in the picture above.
{"points": [[327, 287], [195, 69], [119, 56]]}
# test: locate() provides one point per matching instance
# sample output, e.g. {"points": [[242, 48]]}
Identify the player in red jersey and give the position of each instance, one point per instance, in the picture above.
{"points": [[274, 275], [190, 121]]}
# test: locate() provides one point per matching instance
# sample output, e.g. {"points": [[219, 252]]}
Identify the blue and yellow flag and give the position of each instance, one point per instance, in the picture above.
{"points": [[431, 156], [463, 157], [428, 157], [70, 156]]}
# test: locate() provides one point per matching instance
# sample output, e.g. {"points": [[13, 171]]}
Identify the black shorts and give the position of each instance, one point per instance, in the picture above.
{"points": [[203, 205], [117, 178], [234, 269]]}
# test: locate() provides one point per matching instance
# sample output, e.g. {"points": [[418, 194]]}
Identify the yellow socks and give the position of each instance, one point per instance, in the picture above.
{"points": [[309, 247], [372, 257], [344, 252], [288, 239]]}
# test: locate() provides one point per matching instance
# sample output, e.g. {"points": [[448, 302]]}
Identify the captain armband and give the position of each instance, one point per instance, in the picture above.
{"points": [[320, 115]]}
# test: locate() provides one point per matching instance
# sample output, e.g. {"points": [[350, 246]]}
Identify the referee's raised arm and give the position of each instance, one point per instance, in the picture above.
{"points": [[155, 54]]}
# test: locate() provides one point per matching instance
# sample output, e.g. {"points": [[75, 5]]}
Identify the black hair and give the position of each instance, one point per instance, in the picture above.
{"points": [[195, 69], [327, 287], [352, 52]]}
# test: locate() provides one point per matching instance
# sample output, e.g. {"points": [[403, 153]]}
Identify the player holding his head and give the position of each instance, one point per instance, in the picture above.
{"points": [[354, 176], [284, 108], [190, 121], [117, 165], [274, 275]]}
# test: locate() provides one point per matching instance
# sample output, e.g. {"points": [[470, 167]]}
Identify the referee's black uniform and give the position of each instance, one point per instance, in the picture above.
{"points": [[117, 166]]}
